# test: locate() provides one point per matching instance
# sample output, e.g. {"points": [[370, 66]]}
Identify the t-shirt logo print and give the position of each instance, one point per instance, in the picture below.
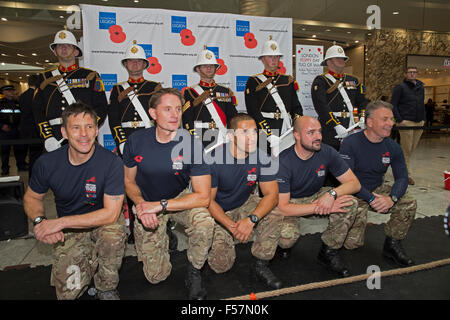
{"points": [[320, 171], [385, 159], [177, 163], [251, 177], [91, 191]]}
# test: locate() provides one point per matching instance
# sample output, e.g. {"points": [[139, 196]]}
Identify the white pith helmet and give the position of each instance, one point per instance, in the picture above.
{"points": [[206, 57], [65, 37], [334, 51], [270, 48], [135, 51]]}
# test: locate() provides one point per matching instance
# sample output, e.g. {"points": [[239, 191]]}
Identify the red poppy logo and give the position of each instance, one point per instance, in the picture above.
{"points": [[154, 66], [223, 68], [250, 41], [281, 68], [187, 38], [138, 158], [116, 34]]}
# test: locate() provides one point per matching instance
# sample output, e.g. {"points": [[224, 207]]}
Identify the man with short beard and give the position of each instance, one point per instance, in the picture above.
{"points": [[60, 87], [303, 168]]}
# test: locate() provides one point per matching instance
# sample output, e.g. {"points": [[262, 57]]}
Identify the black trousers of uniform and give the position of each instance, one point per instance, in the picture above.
{"points": [[20, 151]]}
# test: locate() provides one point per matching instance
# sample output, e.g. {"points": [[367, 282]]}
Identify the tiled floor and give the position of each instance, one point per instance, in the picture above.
{"points": [[428, 163]]}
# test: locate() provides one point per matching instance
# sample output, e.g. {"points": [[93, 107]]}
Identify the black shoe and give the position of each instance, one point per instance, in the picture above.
{"points": [[194, 284], [262, 272], [173, 240], [393, 250], [330, 259], [283, 253]]}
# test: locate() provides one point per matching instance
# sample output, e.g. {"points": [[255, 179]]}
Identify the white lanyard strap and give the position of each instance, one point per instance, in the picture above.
{"points": [[138, 106], [64, 88], [344, 96], [211, 108]]}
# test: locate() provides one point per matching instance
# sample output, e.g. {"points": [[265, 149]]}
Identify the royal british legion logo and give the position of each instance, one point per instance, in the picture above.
{"points": [[109, 80], [179, 81], [214, 50], [178, 24], [106, 20], [148, 49], [242, 27], [241, 82]]}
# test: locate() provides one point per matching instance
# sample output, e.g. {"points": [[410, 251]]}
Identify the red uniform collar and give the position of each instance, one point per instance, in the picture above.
{"points": [[206, 84], [139, 80], [336, 75], [70, 68], [270, 74]]}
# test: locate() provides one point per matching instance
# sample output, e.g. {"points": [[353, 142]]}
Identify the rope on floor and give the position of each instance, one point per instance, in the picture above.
{"points": [[336, 282]]}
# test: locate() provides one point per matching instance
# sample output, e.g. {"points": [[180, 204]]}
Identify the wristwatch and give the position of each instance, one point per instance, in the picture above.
{"points": [[254, 218], [39, 220], [333, 193], [164, 205], [394, 199]]}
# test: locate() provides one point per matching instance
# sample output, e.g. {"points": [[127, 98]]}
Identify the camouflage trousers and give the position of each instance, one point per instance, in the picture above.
{"points": [[152, 245], [88, 253], [401, 217], [266, 234], [338, 224]]}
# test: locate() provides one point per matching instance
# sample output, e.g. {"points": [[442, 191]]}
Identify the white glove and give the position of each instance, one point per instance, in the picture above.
{"points": [[341, 131], [273, 140], [51, 144], [121, 146]]}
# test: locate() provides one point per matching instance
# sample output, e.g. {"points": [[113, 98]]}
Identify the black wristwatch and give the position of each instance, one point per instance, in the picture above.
{"points": [[164, 205], [254, 218], [39, 220], [394, 199], [333, 193]]}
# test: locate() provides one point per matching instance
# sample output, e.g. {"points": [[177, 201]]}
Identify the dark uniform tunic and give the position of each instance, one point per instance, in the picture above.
{"points": [[49, 103], [122, 116], [258, 100], [195, 110], [10, 115], [327, 99]]}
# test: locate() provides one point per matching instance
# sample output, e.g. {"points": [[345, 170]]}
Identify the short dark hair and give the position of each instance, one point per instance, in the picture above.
{"points": [[233, 122], [375, 105], [33, 80], [410, 67], [156, 97], [75, 109]]}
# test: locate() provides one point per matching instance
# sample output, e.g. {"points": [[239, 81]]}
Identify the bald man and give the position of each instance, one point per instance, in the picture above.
{"points": [[301, 178]]}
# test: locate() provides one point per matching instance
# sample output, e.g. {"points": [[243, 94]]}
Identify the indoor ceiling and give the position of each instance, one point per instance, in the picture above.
{"points": [[27, 27]]}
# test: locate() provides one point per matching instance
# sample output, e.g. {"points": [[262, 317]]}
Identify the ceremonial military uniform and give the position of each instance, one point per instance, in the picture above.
{"points": [[10, 115], [123, 117], [261, 105], [196, 116], [330, 105], [49, 102]]}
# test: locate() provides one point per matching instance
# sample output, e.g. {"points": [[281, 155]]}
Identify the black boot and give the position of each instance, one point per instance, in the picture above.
{"points": [[393, 250], [173, 240], [331, 260], [283, 253], [262, 272], [194, 284]]}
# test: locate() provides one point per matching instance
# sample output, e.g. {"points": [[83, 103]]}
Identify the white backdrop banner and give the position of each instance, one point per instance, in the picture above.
{"points": [[172, 40], [307, 61]]}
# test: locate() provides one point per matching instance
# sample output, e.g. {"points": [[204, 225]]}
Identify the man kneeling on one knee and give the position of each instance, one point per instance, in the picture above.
{"points": [[301, 178], [370, 153], [238, 211]]}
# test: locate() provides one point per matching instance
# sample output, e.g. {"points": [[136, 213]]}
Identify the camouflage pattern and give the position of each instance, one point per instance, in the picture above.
{"points": [[152, 246], [96, 253], [335, 234], [402, 216], [266, 235]]}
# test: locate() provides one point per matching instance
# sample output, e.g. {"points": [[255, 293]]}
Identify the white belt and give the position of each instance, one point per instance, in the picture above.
{"points": [[55, 122], [343, 114], [133, 124], [204, 125], [272, 115]]}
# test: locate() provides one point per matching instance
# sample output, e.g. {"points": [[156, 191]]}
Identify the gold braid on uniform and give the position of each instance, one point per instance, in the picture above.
{"points": [[124, 94], [262, 85], [201, 98], [47, 81]]}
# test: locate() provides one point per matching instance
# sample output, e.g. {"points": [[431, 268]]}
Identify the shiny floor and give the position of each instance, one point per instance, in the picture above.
{"points": [[428, 163]]}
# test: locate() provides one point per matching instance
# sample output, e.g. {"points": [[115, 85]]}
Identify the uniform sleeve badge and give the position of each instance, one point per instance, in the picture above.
{"points": [[186, 106], [98, 86]]}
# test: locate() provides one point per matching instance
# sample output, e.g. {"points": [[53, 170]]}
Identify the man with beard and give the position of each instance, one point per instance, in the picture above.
{"points": [[303, 168]]}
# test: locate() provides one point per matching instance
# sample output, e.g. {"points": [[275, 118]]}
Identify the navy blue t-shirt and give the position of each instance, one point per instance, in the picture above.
{"points": [[236, 180], [303, 178], [78, 189], [370, 161], [164, 169]]}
